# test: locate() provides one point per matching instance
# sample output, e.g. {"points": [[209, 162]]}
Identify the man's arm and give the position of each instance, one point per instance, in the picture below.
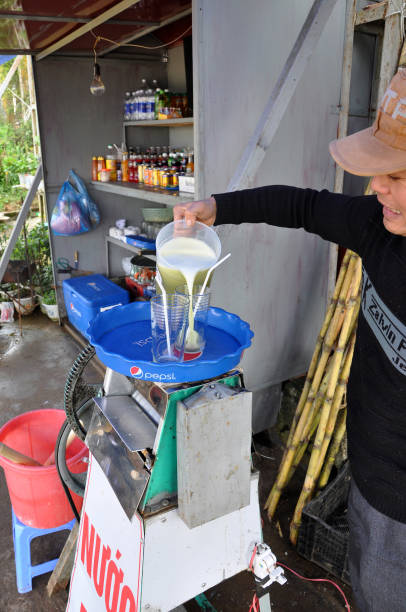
{"points": [[336, 217]]}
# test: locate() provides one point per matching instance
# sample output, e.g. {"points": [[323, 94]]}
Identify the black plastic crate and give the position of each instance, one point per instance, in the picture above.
{"points": [[324, 534]]}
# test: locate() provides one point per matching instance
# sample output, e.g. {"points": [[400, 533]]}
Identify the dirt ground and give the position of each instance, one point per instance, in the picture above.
{"points": [[32, 375]]}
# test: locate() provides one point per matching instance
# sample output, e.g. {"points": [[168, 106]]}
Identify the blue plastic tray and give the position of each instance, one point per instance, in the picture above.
{"points": [[121, 337]]}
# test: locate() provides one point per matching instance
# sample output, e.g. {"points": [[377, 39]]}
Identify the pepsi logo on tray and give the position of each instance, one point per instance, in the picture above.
{"points": [[136, 371]]}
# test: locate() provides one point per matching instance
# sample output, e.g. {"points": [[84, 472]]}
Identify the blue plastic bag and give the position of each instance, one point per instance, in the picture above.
{"points": [[74, 212]]}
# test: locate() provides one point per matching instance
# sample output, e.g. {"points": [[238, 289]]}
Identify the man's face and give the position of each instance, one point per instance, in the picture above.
{"points": [[391, 192]]}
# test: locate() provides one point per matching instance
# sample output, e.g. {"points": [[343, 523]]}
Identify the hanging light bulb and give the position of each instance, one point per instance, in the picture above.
{"points": [[97, 87]]}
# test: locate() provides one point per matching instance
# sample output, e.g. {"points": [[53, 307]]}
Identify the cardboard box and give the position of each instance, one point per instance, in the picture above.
{"points": [[187, 184]]}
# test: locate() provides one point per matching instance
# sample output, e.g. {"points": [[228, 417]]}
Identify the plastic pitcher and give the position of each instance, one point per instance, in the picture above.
{"points": [[198, 242]]}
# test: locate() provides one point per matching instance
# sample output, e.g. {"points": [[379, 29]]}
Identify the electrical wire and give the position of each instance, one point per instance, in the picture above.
{"points": [[255, 601], [118, 44], [347, 605], [65, 487]]}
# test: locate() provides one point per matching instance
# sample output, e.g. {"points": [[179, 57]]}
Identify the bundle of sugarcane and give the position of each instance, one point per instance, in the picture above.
{"points": [[321, 408]]}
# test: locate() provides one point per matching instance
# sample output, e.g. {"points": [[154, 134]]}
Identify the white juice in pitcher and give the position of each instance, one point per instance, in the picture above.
{"points": [[189, 260]]}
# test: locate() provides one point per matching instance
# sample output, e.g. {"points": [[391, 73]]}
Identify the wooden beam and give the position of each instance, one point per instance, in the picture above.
{"points": [[144, 31], [5, 258], [114, 10], [345, 85], [61, 575], [281, 94], [10, 74], [391, 48], [47, 38], [22, 16], [372, 12], [18, 52]]}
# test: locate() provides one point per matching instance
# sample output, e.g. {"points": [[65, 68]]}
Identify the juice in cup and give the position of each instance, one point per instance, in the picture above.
{"points": [[185, 257]]}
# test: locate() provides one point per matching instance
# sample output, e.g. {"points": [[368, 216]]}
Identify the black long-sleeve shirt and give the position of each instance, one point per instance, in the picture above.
{"points": [[376, 394]]}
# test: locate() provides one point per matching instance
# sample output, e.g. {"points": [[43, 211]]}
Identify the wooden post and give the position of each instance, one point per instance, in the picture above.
{"points": [[34, 118], [61, 575]]}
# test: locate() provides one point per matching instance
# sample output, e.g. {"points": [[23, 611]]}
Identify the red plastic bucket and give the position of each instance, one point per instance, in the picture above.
{"points": [[36, 493]]}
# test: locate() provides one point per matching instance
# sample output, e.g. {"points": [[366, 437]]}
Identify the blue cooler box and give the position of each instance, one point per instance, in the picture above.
{"points": [[86, 296]]}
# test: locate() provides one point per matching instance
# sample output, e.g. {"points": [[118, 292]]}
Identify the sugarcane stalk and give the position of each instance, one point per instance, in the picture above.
{"points": [[304, 444], [310, 427], [316, 458], [338, 397], [333, 450], [317, 349], [331, 335]]}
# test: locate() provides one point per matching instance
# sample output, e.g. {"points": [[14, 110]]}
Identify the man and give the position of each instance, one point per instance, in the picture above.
{"points": [[375, 228]]}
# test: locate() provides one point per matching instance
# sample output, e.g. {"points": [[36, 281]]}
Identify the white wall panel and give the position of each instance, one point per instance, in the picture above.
{"points": [[276, 278]]}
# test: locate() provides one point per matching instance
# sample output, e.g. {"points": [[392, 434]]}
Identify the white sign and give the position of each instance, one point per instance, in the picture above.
{"points": [[107, 571]]}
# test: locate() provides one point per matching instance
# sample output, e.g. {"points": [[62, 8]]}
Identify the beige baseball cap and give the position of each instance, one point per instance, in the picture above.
{"points": [[380, 149]]}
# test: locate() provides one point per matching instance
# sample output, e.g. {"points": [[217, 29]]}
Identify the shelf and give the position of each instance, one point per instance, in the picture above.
{"points": [[129, 247], [160, 122], [152, 194]]}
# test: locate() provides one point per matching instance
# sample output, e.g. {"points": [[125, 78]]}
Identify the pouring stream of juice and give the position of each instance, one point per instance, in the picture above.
{"points": [[189, 260]]}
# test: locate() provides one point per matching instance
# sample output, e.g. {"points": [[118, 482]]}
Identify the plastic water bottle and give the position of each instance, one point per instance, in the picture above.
{"points": [[150, 104], [127, 106], [143, 100], [133, 106]]}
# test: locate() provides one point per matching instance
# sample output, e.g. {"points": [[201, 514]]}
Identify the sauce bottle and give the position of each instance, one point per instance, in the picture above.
{"points": [[94, 168]]}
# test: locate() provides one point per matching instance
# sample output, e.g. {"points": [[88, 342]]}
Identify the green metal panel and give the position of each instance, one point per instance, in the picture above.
{"points": [[164, 478]]}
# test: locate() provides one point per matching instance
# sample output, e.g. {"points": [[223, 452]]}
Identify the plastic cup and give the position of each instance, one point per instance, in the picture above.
{"points": [[169, 316], [199, 303]]}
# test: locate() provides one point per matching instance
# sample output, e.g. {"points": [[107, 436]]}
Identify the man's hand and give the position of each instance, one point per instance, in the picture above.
{"points": [[204, 211]]}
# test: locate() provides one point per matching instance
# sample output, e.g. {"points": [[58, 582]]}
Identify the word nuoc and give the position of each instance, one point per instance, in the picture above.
{"points": [[102, 568]]}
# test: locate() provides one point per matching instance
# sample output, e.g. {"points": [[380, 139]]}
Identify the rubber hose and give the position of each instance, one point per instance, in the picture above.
{"points": [[74, 374], [76, 482]]}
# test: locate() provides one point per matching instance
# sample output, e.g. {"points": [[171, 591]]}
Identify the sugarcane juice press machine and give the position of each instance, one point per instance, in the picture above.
{"points": [[171, 501]]}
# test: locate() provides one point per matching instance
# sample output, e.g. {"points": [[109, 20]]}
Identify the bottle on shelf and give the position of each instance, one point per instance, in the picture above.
{"points": [[131, 169], [190, 166], [158, 92], [127, 106], [133, 105], [142, 101], [149, 104], [111, 162], [94, 168], [101, 164], [124, 163]]}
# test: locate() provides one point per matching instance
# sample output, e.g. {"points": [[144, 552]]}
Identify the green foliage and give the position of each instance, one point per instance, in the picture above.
{"points": [[37, 244], [16, 156], [38, 251], [16, 140], [49, 298]]}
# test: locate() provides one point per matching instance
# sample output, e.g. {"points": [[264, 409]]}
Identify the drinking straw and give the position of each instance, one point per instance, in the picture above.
{"points": [[161, 286], [209, 271]]}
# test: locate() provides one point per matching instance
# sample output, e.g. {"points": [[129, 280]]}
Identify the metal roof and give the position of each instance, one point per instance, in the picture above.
{"points": [[41, 27]]}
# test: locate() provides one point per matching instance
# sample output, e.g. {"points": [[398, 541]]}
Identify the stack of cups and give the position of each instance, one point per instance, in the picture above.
{"points": [[169, 318]]}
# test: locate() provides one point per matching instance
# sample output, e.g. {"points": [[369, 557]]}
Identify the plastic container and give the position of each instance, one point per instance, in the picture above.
{"points": [[157, 215], [86, 296], [105, 175], [122, 339], [324, 532], [199, 231], [36, 493], [172, 276]]}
